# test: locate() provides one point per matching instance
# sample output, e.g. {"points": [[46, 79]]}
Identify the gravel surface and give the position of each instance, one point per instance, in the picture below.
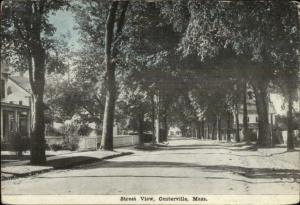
{"points": [[183, 167]]}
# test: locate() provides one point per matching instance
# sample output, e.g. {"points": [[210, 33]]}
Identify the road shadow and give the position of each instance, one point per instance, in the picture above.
{"points": [[116, 176], [254, 173], [69, 162], [227, 147]]}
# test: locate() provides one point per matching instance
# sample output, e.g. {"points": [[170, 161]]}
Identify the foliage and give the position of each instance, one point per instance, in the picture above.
{"points": [[18, 143], [17, 37], [29, 45], [56, 147]]}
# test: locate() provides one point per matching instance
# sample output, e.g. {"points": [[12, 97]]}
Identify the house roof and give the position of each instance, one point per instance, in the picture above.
{"points": [[22, 81]]}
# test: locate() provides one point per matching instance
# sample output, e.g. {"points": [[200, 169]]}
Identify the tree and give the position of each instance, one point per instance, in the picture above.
{"points": [[245, 113], [214, 26], [81, 96], [148, 50], [113, 32], [29, 45], [134, 103], [287, 60], [101, 25]]}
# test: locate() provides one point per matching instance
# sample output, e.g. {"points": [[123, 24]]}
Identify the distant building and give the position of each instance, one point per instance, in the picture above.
{"points": [[174, 132], [252, 115], [16, 104]]}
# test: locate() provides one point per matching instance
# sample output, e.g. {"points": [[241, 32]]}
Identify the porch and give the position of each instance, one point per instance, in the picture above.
{"points": [[14, 119]]}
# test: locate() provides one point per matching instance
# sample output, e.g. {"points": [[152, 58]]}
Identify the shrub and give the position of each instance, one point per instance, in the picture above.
{"points": [[147, 137], [47, 147], [74, 147], [84, 130], [56, 147], [252, 135], [71, 134], [4, 146], [18, 143], [49, 130]]}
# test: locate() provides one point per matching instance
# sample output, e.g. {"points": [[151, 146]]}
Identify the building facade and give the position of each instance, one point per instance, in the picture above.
{"points": [[252, 116], [16, 105]]}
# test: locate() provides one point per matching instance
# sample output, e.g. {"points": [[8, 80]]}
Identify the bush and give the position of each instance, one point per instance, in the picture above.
{"points": [[48, 147], [74, 147], [4, 146], [297, 140], [252, 135], [147, 137], [71, 133], [49, 130], [56, 147], [18, 143], [84, 130]]}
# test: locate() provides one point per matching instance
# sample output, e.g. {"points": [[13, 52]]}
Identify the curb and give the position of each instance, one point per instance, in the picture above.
{"points": [[14, 175]]}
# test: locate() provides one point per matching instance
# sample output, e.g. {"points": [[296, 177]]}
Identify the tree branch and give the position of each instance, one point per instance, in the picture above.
{"points": [[109, 35], [25, 39], [120, 25], [121, 20], [30, 69]]}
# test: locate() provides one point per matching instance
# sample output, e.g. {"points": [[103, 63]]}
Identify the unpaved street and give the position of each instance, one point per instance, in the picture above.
{"points": [[186, 166]]}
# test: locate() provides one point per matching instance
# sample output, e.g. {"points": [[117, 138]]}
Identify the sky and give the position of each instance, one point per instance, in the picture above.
{"points": [[64, 22]]}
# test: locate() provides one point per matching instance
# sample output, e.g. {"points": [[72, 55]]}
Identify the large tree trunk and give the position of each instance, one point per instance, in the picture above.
{"points": [[208, 131], [153, 118], [202, 129], [37, 62], [110, 55], [290, 134], [237, 122], [141, 127], [157, 118], [108, 119], [165, 127], [37, 150], [228, 130], [213, 137], [165, 121], [245, 115], [219, 128], [199, 131], [264, 137]]}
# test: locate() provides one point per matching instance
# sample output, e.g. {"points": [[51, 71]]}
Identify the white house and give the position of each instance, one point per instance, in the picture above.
{"points": [[252, 115], [174, 132], [16, 104]]}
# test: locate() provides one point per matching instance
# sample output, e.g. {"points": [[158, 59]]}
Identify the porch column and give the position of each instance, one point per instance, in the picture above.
{"points": [[2, 136], [16, 120], [29, 123]]}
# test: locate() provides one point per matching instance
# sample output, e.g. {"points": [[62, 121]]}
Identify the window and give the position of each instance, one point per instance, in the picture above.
{"points": [[23, 126], [256, 119], [20, 102], [2, 89], [248, 119], [9, 90]]}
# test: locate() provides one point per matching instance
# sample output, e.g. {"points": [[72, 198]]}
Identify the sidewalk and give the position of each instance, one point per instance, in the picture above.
{"points": [[23, 168]]}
